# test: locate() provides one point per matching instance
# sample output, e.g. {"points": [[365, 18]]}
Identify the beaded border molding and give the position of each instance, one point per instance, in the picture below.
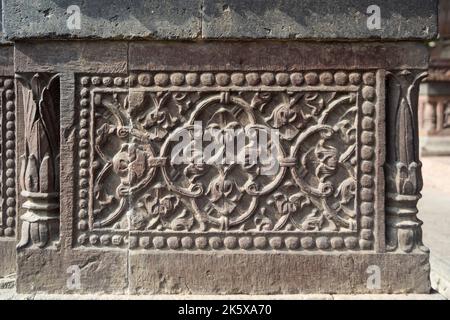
{"points": [[363, 84], [8, 165]]}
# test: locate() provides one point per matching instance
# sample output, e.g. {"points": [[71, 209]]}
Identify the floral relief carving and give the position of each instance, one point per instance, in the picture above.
{"points": [[404, 179], [39, 174], [137, 186]]}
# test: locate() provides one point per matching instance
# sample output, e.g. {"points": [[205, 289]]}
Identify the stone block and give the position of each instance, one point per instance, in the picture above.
{"points": [[72, 272], [313, 225], [275, 273], [291, 19], [106, 207], [225, 19], [114, 19]]}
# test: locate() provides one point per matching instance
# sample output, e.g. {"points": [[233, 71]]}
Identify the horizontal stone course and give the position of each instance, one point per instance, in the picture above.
{"points": [[223, 19]]}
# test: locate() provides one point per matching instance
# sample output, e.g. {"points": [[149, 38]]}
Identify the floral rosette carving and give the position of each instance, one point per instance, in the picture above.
{"points": [[223, 193], [124, 159], [325, 171]]}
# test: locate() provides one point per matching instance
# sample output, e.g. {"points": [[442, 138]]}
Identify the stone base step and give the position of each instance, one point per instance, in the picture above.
{"points": [[10, 294]]}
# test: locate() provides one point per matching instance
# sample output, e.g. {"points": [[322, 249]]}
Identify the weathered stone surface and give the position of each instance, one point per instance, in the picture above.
{"points": [[225, 19], [6, 60], [8, 257], [220, 273], [274, 56], [8, 190], [76, 56], [175, 19], [274, 273], [291, 19], [51, 271], [2, 38]]}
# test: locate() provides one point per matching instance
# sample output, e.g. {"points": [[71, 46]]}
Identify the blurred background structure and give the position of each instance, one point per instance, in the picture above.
{"points": [[434, 101], [434, 126]]}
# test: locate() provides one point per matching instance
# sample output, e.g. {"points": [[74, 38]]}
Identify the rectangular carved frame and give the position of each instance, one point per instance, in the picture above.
{"points": [[144, 93]]}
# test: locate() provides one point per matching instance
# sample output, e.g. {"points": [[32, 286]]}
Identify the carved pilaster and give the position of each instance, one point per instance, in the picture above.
{"points": [[403, 168], [39, 174]]}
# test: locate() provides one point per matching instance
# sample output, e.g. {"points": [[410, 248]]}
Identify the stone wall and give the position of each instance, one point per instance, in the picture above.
{"points": [[99, 195]]}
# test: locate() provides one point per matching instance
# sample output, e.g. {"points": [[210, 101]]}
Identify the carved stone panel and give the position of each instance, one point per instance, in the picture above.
{"points": [[163, 182], [319, 191]]}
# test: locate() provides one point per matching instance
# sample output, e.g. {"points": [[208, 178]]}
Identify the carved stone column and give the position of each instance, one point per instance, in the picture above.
{"points": [[39, 164], [403, 168]]}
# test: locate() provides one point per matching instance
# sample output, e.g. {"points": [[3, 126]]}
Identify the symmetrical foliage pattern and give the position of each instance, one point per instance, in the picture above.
{"points": [[39, 165], [404, 179], [320, 196]]}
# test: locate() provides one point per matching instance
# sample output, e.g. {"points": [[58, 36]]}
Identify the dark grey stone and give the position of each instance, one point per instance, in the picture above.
{"points": [[175, 19], [311, 19], [223, 19]]}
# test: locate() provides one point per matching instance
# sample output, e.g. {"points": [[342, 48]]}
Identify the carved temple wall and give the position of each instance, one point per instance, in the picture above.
{"points": [[88, 133]]}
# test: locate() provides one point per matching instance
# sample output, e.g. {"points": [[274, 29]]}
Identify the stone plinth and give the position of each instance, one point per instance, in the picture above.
{"points": [[105, 207]]}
